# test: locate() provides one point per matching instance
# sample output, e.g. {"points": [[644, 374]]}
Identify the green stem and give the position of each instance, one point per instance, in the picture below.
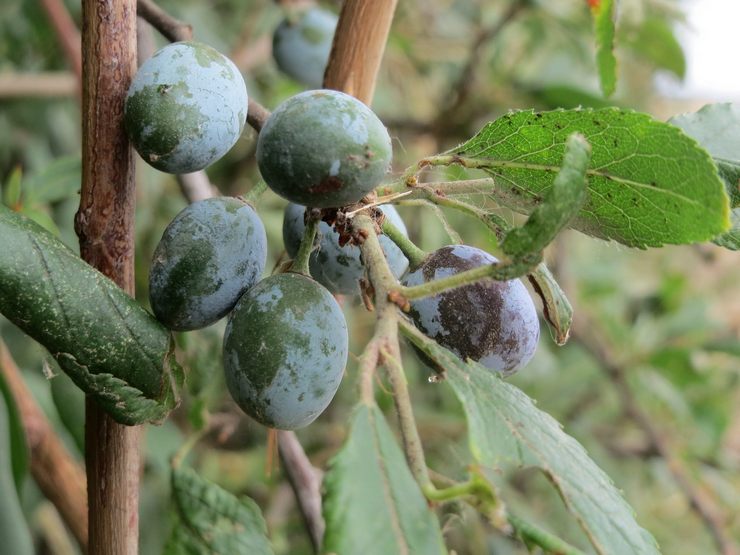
{"points": [[415, 255], [386, 336], [425, 190], [547, 541], [301, 261], [501, 271], [254, 194]]}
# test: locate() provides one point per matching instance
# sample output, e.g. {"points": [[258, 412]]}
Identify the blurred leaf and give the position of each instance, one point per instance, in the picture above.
{"points": [[717, 128], [13, 528], [648, 184], [372, 503], [560, 203], [505, 428], [12, 189], [70, 404], [57, 181], [603, 12], [109, 345], [16, 433], [731, 239], [41, 217], [568, 97], [655, 41], [212, 520]]}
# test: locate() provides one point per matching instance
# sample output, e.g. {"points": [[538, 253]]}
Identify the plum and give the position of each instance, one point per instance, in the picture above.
{"points": [[186, 107], [213, 251], [301, 45], [339, 269], [323, 149], [491, 322], [285, 349]]}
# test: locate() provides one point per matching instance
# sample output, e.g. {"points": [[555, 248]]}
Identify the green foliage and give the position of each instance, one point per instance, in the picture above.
{"points": [[654, 39], [372, 504], [13, 528], [507, 429], [16, 440], [110, 346], [604, 12], [211, 520], [648, 184]]}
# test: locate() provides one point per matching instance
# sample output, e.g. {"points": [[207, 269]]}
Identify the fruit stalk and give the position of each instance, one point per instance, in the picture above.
{"points": [[407, 246], [300, 264], [105, 226]]}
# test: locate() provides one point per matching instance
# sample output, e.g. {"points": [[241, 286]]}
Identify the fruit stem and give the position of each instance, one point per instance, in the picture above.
{"points": [[301, 261], [501, 271], [414, 190], [415, 255], [254, 194], [531, 533]]}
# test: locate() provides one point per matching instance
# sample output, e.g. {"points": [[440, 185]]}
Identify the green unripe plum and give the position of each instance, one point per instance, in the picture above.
{"points": [[339, 268], [186, 107], [491, 322], [285, 349], [301, 45], [213, 251], [323, 149]]}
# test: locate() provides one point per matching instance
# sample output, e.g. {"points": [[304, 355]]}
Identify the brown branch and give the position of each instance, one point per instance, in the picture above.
{"points": [[257, 115], [171, 28], [305, 480], [59, 477], [700, 500], [460, 91], [46, 84], [67, 32], [358, 46], [105, 226]]}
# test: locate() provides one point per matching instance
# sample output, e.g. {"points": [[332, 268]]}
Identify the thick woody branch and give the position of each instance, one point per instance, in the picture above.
{"points": [[359, 43], [105, 226], [59, 477]]}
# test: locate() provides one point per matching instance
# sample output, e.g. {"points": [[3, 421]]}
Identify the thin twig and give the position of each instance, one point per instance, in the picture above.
{"points": [[700, 500], [465, 83], [305, 480], [60, 478], [46, 84], [67, 33], [170, 27]]}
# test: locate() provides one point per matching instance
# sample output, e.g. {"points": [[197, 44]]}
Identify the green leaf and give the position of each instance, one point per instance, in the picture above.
{"points": [[556, 307], [12, 189], [16, 433], [372, 504], [69, 401], [655, 41], [40, 216], [505, 428], [108, 344], [559, 204], [648, 184], [603, 12], [717, 128], [212, 520], [59, 180], [13, 528]]}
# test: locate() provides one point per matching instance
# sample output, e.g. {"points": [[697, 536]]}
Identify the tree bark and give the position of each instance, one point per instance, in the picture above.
{"points": [[105, 226], [359, 43]]}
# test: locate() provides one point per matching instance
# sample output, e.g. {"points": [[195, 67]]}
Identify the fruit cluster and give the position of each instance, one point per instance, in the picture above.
{"points": [[286, 341]]}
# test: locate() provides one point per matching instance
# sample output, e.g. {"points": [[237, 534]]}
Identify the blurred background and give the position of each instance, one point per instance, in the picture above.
{"points": [[654, 398]]}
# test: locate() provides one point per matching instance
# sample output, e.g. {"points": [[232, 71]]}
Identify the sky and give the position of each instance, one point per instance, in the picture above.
{"points": [[711, 39]]}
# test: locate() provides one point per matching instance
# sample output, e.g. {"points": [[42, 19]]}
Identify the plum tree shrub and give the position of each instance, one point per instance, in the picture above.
{"points": [[208, 256], [323, 149], [301, 45], [186, 107], [339, 268], [492, 322], [285, 349]]}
